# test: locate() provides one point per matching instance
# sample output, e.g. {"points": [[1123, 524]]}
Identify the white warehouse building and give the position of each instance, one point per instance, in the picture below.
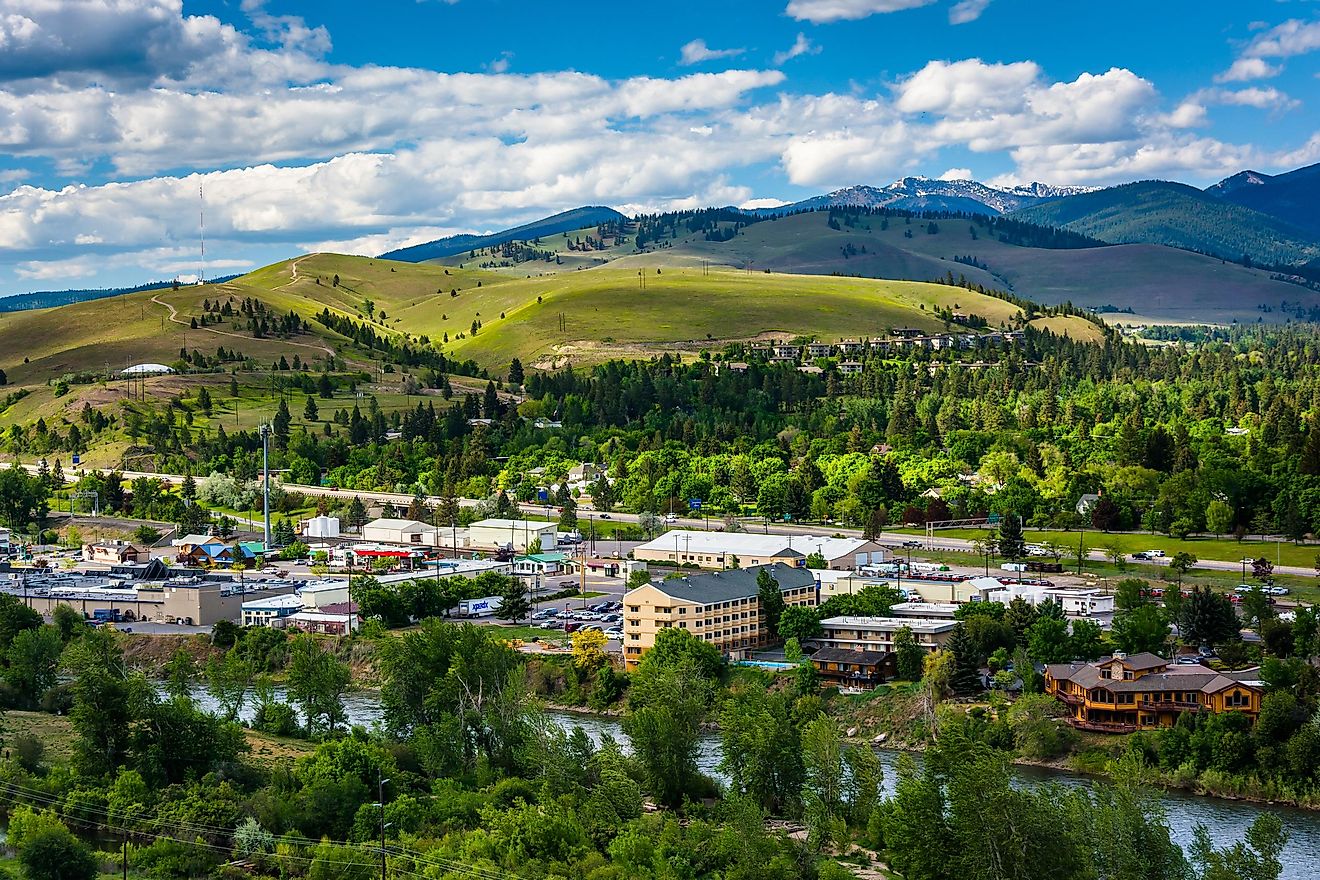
{"points": [[518, 534], [718, 549]]}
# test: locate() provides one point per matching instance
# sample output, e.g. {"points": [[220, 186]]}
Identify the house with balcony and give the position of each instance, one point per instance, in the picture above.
{"points": [[819, 349], [877, 633], [849, 668], [1124, 693]]}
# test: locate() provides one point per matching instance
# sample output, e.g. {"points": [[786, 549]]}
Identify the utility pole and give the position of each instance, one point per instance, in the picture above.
{"points": [[265, 481], [380, 792]]}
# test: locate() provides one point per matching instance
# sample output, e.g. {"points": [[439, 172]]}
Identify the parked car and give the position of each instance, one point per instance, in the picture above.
{"points": [[671, 517], [1141, 554], [614, 633], [1155, 554], [1278, 591]]}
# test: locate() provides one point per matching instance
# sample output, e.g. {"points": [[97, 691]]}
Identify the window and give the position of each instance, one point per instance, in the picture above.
{"points": [[1127, 675], [682, 624], [682, 611], [634, 608], [633, 637]]}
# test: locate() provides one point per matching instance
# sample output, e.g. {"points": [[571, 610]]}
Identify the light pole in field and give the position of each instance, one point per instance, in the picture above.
{"points": [[264, 430], [1084, 505]]}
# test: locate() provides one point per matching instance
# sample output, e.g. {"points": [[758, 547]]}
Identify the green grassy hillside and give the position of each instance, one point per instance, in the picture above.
{"points": [[589, 314], [1158, 212], [579, 316], [1157, 282]]}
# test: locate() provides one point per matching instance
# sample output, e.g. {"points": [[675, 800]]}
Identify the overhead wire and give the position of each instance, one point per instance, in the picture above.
{"points": [[15, 793]]}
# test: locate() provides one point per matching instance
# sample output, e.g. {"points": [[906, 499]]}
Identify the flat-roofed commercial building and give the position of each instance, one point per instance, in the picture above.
{"points": [[726, 549], [722, 608], [877, 633], [517, 534]]}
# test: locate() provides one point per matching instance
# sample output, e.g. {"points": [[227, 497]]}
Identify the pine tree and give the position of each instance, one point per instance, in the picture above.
{"points": [[966, 677], [1012, 545], [310, 412], [357, 512], [280, 425], [516, 375]]}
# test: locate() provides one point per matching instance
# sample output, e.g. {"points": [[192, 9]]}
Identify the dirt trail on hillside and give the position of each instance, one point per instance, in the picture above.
{"points": [[175, 319]]}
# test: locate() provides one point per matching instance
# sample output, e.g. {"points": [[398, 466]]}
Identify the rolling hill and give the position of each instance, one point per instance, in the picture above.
{"points": [[1156, 282], [577, 218], [578, 317], [1177, 215]]}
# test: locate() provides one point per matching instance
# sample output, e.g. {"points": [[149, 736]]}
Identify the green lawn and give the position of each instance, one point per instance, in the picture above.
{"points": [[1306, 589], [1225, 549], [527, 633]]}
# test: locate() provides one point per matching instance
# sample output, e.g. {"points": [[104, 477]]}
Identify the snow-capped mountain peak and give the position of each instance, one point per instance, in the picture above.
{"points": [[917, 193]]}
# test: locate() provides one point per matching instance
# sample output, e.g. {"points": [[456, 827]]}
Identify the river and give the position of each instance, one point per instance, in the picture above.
{"points": [[1226, 820]]}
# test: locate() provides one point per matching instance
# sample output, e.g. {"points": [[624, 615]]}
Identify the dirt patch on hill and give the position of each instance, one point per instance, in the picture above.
{"points": [[150, 652]]}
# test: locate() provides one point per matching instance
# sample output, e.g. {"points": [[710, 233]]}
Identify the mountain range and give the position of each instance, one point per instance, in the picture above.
{"points": [[927, 194], [1293, 197], [449, 246]]}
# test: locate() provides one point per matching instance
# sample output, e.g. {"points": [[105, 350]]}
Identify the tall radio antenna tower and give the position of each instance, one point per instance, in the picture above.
{"points": [[201, 225]]}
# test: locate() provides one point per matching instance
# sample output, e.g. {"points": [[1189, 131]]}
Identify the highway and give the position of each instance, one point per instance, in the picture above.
{"points": [[749, 524]]}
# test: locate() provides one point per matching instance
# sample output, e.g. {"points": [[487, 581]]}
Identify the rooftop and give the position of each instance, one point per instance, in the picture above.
{"points": [[748, 544], [736, 583], [848, 655], [916, 624], [274, 603], [518, 524], [400, 524]]}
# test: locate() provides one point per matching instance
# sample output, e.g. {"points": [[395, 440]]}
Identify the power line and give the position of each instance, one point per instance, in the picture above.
{"points": [[19, 794]]}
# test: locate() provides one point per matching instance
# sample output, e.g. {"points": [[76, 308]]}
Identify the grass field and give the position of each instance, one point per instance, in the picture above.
{"points": [[589, 314], [1226, 549], [1158, 283]]}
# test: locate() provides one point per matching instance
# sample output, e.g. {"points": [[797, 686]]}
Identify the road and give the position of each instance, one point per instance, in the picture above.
{"points": [[888, 540]]}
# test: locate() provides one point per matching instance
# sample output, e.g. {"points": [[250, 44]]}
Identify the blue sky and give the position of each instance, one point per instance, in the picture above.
{"points": [[322, 126]]}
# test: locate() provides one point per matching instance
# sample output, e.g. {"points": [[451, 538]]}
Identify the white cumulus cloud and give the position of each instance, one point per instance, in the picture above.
{"points": [[1247, 69], [801, 46], [697, 51], [967, 10], [823, 11]]}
